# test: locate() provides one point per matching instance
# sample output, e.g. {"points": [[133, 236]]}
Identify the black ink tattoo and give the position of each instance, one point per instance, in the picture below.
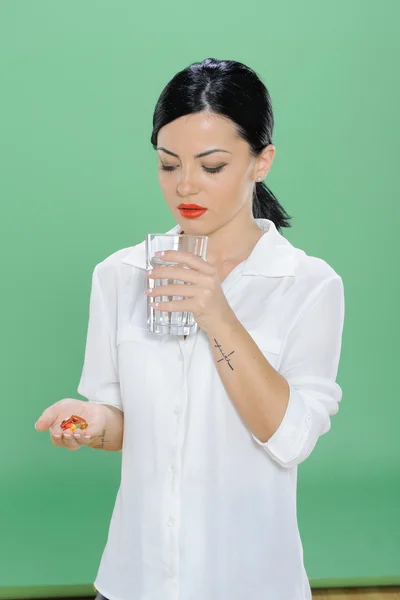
{"points": [[102, 440], [224, 356]]}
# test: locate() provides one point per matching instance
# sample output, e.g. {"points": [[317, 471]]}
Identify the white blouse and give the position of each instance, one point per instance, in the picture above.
{"points": [[205, 511]]}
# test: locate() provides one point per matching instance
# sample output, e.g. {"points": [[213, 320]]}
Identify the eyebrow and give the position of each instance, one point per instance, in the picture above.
{"points": [[197, 155]]}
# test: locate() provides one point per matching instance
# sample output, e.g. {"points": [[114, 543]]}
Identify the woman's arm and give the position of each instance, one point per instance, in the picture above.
{"points": [[287, 411], [258, 391]]}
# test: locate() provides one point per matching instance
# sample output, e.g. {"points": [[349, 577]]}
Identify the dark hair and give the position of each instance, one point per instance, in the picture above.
{"points": [[233, 90]]}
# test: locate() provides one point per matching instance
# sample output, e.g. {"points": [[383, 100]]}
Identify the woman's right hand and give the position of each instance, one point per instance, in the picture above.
{"points": [[94, 414]]}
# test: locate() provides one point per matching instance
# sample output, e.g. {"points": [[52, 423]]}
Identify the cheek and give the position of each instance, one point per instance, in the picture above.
{"points": [[240, 185], [228, 187]]}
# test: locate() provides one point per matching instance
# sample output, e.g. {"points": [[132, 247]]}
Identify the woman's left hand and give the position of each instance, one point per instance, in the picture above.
{"points": [[204, 297]]}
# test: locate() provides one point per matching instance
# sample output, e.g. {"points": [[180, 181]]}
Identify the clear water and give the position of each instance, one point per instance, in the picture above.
{"points": [[174, 323]]}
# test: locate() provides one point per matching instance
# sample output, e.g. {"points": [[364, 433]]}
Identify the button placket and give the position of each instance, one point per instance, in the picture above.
{"points": [[175, 467]]}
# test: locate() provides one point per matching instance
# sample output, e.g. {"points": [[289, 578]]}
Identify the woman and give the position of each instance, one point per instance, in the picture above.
{"points": [[212, 427]]}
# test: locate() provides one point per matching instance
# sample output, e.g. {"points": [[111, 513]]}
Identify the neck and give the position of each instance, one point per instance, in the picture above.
{"points": [[232, 242]]}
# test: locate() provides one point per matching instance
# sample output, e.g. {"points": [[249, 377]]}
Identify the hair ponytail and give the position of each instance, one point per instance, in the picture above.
{"points": [[267, 206]]}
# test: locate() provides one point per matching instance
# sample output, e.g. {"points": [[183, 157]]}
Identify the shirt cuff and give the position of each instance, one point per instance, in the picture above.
{"points": [[108, 394], [286, 443]]}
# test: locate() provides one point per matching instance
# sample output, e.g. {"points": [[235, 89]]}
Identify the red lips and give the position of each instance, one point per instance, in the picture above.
{"points": [[191, 211], [191, 206]]}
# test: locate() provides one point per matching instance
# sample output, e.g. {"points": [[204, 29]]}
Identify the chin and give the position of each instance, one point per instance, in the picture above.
{"points": [[193, 226], [194, 230]]}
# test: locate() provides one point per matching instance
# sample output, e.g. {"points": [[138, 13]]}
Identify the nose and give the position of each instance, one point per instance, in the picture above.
{"points": [[186, 184]]}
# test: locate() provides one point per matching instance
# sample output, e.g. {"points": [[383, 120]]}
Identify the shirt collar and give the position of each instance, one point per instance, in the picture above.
{"points": [[272, 256]]}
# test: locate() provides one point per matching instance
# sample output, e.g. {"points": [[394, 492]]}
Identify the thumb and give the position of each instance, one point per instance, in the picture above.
{"points": [[47, 418]]}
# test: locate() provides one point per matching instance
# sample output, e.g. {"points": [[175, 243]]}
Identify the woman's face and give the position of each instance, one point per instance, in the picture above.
{"points": [[221, 181]]}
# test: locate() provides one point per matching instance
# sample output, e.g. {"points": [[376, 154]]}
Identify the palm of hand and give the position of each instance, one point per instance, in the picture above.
{"points": [[91, 412]]}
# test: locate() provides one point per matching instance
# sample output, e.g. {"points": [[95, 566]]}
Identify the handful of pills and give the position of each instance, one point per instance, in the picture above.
{"points": [[74, 422]]}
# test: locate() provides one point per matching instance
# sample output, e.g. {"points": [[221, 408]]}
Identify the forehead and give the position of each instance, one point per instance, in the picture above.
{"points": [[195, 133]]}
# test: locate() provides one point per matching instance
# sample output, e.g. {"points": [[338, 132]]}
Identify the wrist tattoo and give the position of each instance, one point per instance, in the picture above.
{"points": [[224, 356], [102, 440]]}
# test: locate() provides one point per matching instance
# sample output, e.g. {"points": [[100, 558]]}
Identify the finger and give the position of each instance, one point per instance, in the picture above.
{"points": [[47, 418], [175, 305], [69, 441], [178, 273], [57, 438], [192, 261], [82, 438], [172, 290]]}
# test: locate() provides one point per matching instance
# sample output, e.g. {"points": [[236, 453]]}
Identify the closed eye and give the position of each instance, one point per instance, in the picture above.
{"points": [[214, 169], [167, 168], [210, 170]]}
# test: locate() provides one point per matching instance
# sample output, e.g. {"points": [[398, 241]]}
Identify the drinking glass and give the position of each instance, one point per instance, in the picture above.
{"points": [[176, 322]]}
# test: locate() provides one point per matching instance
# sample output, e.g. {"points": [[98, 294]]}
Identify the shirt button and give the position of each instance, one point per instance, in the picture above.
{"points": [[177, 410], [170, 521], [171, 573], [172, 468]]}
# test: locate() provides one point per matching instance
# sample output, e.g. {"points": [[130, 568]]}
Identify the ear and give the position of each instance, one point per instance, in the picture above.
{"points": [[264, 162]]}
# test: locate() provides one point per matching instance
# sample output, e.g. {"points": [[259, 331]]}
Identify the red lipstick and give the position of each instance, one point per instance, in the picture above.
{"points": [[191, 211]]}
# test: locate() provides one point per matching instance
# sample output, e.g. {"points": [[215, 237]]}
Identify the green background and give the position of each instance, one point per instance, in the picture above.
{"points": [[79, 81]]}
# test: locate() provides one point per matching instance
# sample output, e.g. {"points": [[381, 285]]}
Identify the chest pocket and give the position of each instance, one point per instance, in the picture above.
{"points": [[148, 370], [270, 346], [141, 353]]}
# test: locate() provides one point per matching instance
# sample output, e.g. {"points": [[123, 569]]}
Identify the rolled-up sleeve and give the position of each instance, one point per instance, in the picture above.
{"points": [[99, 381], [310, 363]]}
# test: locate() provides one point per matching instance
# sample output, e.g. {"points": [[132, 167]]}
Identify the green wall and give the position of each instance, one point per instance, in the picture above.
{"points": [[79, 81]]}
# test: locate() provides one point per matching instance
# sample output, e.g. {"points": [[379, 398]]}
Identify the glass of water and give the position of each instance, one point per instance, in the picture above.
{"points": [[174, 323]]}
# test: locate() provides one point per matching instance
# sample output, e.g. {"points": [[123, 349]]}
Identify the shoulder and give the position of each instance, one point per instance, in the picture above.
{"points": [[115, 259], [312, 268], [112, 268], [282, 257], [313, 278]]}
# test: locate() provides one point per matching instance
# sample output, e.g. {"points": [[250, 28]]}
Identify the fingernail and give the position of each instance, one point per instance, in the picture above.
{"points": [[77, 435], [36, 427], [56, 435], [67, 435], [87, 437]]}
